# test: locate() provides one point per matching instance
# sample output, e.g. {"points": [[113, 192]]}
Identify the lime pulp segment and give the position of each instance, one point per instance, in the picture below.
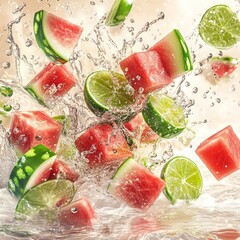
{"points": [[164, 116], [46, 197], [183, 179], [119, 11], [220, 27], [106, 90]]}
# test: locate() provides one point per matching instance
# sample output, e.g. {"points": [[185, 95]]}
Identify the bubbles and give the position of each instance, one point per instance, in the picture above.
{"points": [[6, 65], [28, 43], [195, 90], [74, 210]]}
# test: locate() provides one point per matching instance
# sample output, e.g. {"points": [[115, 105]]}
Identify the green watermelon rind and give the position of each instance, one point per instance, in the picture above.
{"points": [[28, 168], [42, 38], [225, 60], [120, 173], [186, 56], [118, 13], [36, 95]]}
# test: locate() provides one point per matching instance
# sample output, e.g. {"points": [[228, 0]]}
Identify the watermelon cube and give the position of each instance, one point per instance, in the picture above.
{"points": [[140, 129], [135, 185], [102, 144], [53, 81], [79, 213], [145, 72], [174, 53], [60, 169], [221, 153], [30, 128]]}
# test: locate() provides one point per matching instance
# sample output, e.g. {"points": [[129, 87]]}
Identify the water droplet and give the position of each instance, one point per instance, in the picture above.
{"points": [[74, 210], [6, 91], [115, 151], [6, 65], [38, 137], [28, 43], [198, 71], [218, 100], [9, 52], [132, 20], [16, 106], [195, 90], [212, 104], [92, 3], [161, 15], [233, 88], [7, 107], [187, 84]]}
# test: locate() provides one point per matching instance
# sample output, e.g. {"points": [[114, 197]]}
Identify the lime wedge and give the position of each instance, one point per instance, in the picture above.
{"points": [[119, 11], [46, 197], [220, 27], [183, 179], [164, 116], [108, 91]]}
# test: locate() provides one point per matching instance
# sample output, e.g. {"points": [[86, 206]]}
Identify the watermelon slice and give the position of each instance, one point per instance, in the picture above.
{"points": [[145, 72], [31, 169], [221, 153], [223, 66], [174, 54], [79, 213], [60, 169], [140, 129], [30, 128], [102, 144], [55, 36], [53, 81], [135, 185]]}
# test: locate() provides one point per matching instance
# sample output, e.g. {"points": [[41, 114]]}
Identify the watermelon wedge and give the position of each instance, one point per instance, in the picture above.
{"points": [[56, 36], [221, 153], [61, 170], [145, 72], [31, 169], [79, 213], [53, 81], [140, 129], [135, 185], [102, 144], [30, 128], [223, 66], [174, 54]]}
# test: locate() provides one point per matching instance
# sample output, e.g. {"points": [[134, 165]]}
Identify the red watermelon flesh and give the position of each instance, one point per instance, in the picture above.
{"points": [[53, 80], [222, 68], [145, 72], [60, 169], [64, 31], [102, 144], [32, 128], [79, 213], [135, 185], [174, 53], [137, 126], [221, 153]]}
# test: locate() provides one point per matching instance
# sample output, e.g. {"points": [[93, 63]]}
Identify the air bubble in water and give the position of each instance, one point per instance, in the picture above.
{"points": [[218, 100], [92, 3], [195, 90], [187, 84], [198, 71], [6, 65], [28, 43], [8, 52]]}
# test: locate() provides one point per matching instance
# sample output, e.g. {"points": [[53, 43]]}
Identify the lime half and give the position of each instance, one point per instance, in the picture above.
{"points": [[164, 116], [119, 11], [45, 197], [183, 179], [220, 27], [108, 91]]}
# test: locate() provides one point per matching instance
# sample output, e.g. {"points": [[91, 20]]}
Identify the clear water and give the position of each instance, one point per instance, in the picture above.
{"points": [[210, 105]]}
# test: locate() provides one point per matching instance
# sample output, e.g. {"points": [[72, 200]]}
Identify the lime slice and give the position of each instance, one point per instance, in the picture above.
{"points": [[46, 197], [183, 179], [220, 27], [164, 116], [119, 11], [108, 91]]}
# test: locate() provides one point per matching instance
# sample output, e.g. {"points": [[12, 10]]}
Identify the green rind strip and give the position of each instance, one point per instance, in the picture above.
{"points": [[38, 26], [118, 13], [26, 166], [33, 93], [187, 60]]}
